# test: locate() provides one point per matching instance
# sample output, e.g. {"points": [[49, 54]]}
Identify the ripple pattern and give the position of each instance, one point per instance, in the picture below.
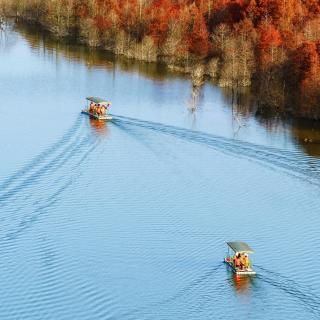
{"points": [[294, 163]]}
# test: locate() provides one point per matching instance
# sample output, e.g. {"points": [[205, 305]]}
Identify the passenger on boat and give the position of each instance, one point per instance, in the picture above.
{"points": [[91, 108], [246, 261], [237, 260]]}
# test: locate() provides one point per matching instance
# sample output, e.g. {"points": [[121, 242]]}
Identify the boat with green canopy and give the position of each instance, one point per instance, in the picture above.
{"points": [[97, 108], [237, 258]]}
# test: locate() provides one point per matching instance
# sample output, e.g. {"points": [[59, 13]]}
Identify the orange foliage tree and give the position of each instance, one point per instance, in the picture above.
{"points": [[258, 36], [198, 38], [270, 40]]}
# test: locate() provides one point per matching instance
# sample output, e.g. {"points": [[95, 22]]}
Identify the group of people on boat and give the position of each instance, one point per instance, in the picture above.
{"points": [[241, 261], [97, 108]]}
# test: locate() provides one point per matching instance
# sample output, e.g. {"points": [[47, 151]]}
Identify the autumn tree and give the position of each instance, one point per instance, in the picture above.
{"points": [[269, 42], [198, 39], [274, 42]]}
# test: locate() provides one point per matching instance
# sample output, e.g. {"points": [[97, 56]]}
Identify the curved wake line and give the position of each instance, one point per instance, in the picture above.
{"points": [[39, 159], [292, 162], [42, 205], [302, 293], [42, 164], [57, 161], [26, 184], [190, 287]]}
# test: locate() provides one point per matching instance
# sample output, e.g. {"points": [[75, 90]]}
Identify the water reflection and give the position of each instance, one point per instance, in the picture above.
{"points": [[92, 57], [196, 98], [242, 285], [151, 243], [99, 127], [240, 101], [306, 133]]}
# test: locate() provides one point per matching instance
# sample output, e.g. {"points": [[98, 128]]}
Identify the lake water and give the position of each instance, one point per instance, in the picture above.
{"points": [[128, 219]]}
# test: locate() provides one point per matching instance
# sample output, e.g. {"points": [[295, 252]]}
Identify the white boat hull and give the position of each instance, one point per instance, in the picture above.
{"points": [[96, 116], [247, 272]]}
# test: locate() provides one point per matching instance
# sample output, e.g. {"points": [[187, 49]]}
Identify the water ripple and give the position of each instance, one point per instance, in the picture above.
{"points": [[292, 162]]}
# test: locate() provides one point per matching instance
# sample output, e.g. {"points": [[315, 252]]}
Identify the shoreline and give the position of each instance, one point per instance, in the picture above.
{"points": [[198, 70]]}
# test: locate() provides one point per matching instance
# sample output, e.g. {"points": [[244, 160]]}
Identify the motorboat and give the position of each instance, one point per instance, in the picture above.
{"points": [[237, 258], [97, 108]]}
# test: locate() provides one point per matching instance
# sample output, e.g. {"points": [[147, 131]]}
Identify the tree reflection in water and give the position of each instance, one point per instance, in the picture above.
{"points": [[241, 100], [305, 132]]}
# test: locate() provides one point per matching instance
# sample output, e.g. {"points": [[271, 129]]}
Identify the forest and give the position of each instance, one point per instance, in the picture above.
{"points": [[272, 46]]}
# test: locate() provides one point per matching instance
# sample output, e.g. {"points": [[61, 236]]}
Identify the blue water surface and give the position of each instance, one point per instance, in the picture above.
{"points": [[128, 219]]}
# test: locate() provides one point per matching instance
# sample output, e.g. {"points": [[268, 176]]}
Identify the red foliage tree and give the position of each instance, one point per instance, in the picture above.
{"points": [[268, 9], [128, 15], [305, 60], [313, 7], [159, 14], [198, 38], [81, 10], [102, 23], [270, 39], [304, 75]]}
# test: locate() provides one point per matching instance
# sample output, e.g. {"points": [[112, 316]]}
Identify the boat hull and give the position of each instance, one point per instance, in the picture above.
{"points": [[247, 272], [96, 116]]}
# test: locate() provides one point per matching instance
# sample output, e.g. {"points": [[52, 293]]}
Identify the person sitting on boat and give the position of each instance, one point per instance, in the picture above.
{"points": [[246, 261], [237, 260]]}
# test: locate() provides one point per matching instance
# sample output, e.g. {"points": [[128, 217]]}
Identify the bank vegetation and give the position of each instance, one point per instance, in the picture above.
{"points": [[271, 45]]}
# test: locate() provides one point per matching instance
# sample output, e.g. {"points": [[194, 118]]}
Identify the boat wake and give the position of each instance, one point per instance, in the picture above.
{"points": [[293, 163], [189, 289], [39, 159], [34, 188], [301, 293]]}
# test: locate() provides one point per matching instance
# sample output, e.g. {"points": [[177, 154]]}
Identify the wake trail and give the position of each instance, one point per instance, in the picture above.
{"points": [[294, 163], [297, 291], [52, 165], [191, 287], [41, 206], [32, 190], [39, 159]]}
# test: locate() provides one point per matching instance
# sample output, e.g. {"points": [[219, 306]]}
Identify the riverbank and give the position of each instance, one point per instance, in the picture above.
{"points": [[225, 43], [199, 69]]}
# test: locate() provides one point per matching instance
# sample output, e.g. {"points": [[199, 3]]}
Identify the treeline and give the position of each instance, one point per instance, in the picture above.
{"points": [[272, 45]]}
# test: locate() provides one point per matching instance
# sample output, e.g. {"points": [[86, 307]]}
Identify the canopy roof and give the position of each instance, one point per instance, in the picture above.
{"points": [[97, 100], [241, 247]]}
